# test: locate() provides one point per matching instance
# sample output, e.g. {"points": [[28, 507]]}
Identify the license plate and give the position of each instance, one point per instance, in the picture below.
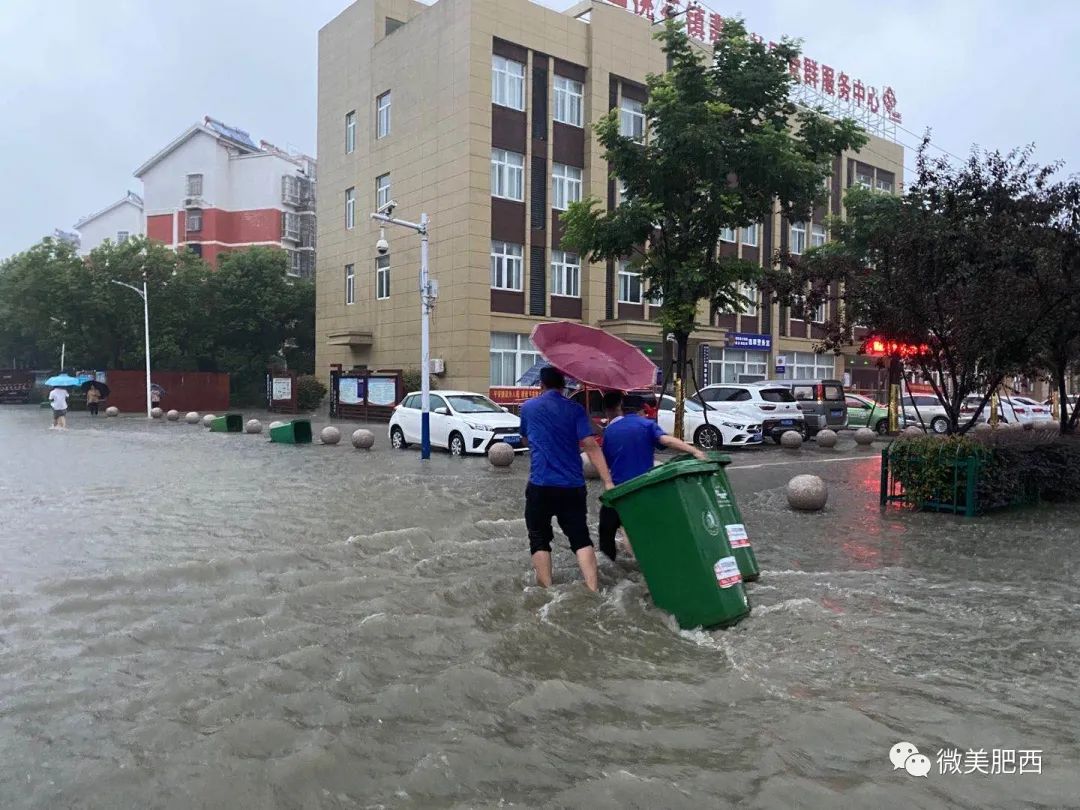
{"points": [[755, 437], [836, 413], [513, 439], [787, 422]]}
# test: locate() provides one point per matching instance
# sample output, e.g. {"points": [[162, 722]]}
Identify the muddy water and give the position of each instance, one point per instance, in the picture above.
{"points": [[196, 620]]}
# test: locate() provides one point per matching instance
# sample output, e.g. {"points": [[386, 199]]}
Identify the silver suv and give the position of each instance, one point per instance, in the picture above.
{"points": [[771, 404]]}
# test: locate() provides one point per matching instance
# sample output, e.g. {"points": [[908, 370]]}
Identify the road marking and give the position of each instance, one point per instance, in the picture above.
{"points": [[800, 461]]}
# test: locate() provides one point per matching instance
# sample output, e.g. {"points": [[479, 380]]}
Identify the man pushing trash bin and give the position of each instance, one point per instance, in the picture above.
{"points": [[556, 430], [629, 442]]}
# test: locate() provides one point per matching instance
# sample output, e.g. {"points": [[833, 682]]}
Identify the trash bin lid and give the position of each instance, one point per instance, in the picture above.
{"points": [[657, 475], [714, 457]]}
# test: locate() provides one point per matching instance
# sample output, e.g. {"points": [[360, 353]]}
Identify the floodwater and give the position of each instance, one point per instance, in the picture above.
{"points": [[196, 620]]}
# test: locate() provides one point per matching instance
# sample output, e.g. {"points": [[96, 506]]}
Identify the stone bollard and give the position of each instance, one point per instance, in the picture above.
{"points": [[791, 440], [276, 423], [912, 430], [363, 439], [807, 493], [173, 416], [112, 410], [156, 413], [192, 417], [864, 437], [588, 468], [982, 427], [253, 426], [330, 435], [501, 455], [826, 438], [208, 420]]}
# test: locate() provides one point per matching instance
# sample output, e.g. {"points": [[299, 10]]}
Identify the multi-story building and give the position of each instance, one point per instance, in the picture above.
{"points": [[490, 133], [122, 219], [213, 190]]}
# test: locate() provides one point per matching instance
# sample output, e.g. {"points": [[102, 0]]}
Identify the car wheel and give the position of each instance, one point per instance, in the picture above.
{"points": [[397, 439], [708, 437], [940, 425], [457, 444], [882, 427]]}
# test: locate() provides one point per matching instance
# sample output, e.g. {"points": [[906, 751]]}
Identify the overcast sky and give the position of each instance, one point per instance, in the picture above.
{"points": [[90, 90]]}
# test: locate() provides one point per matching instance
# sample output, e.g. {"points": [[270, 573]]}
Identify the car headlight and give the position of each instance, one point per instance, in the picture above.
{"points": [[733, 426], [479, 426]]}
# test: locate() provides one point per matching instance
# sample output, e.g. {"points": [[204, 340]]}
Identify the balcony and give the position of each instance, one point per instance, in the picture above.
{"points": [[290, 226]]}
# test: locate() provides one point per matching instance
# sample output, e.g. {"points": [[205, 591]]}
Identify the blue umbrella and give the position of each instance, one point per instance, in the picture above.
{"points": [[63, 381], [532, 376]]}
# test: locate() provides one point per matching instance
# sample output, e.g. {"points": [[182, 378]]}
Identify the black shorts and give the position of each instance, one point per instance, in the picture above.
{"points": [[609, 524], [568, 505]]}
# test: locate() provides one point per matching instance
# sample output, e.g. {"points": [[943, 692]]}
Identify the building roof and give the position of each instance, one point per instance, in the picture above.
{"points": [[131, 197], [229, 136]]}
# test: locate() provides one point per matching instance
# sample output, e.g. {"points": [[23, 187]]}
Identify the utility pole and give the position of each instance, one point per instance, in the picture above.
{"points": [[146, 332]]}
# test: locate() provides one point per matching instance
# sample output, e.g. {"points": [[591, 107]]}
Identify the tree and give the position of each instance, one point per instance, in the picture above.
{"points": [[724, 141], [955, 267]]}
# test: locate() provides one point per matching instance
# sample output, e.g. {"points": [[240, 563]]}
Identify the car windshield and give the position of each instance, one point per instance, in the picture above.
{"points": [[472, 403], [777, 395], [668, 404]]}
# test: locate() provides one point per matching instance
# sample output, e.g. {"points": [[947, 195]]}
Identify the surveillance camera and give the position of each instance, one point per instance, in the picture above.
{"points": [[387, 207], [382, 246]]}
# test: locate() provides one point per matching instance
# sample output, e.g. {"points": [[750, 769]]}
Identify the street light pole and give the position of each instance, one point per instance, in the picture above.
{"points": [[427, 303], [63, 342], [146, 332]]}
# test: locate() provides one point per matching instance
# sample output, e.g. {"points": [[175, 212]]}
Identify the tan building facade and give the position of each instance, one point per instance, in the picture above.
{"points": [[480, 113]]}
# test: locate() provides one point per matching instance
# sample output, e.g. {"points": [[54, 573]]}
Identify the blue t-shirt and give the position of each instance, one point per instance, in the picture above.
{"points": [[628, 446], [555, 427]]}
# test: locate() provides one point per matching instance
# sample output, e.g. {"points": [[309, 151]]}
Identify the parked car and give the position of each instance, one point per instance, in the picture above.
{"points": [[970, 403], [773, 404], [462, 422], [925, 411], [865, 412], [821, 401], [592, 400], [1027, 410], [732, 428]]}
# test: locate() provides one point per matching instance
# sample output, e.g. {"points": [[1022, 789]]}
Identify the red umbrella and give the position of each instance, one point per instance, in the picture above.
{"points": [[593, 356]]}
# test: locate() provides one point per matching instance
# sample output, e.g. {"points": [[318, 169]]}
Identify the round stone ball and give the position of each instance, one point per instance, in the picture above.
{"points": [[864, 437], [912, 430], [826, 438], [275, 424], [807, 493], [330, 435], [156, 413], [208, 420], [363, 439], [982, 427], [501, 455], [791, 439], [173, 416], [588, 468], [192, 417], [112, 410], [253, 426]]}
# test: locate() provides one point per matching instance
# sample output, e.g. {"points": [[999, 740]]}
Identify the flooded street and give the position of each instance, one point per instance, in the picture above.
{"points": [[196, 620]]}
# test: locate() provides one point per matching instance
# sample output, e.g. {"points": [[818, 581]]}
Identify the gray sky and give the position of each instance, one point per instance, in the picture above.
{"points": [[89, 90]]}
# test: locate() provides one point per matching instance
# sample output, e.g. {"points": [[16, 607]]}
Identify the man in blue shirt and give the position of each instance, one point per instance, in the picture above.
{"points": [[556, 430], [629, 441]]}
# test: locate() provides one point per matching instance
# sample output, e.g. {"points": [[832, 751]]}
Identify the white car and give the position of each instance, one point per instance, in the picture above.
{"points": [[773, 406], [724, 429], [925, 411], [461, 421], [1027, 410]]}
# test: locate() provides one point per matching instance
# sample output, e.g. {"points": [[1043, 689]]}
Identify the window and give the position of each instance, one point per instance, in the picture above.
{"points": [[507, 175], [350, 132], [629, 284], [194, 221], [750, 236], [738, 366], [797, 240], [194, 185], [382, 115], [506, 266], [296, 263], [122, 236], [817, 235], [382, 190], [565, 186], [350, 208], [750, 293], [885, 185], [569, 101], [655, 296], [624, 192], [565, 274], [511, 356], [632, 119], [809, 366], [350, 284], [382, 277], [507, 83], [864, 179], [819, 313]]}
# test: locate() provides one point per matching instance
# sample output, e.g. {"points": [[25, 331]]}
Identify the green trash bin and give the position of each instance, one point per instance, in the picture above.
{"points": [[674, 526], [298, 431], [229, 423], [730, 515]]}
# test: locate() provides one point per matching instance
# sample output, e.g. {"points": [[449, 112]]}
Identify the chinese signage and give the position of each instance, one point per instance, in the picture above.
{"points": [[510, 395], [819, 83], [746, 340], [382, 391], [282, 388], [351, 391], [995, 762]]}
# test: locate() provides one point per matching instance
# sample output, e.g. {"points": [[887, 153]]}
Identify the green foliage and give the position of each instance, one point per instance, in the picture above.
{"points": [[926, 466], [411, 380], [309, 392]]}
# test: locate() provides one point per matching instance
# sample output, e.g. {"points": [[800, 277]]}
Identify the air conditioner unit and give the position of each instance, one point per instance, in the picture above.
{"points": [[193, 202], [438, 365]]}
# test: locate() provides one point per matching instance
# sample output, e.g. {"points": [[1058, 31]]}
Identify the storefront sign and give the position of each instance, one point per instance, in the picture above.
{"points": [[382, 391], [281, 388], [818, 83], [351, 391], [746, 340], [511, 395]]}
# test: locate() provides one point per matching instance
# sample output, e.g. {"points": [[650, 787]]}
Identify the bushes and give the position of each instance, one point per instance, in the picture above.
{"points": [[309, 392], [411, 380]]}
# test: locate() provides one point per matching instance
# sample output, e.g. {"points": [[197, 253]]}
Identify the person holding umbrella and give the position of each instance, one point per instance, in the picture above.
{"points": [[556, 430], [95, 393], [58, 398]]}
